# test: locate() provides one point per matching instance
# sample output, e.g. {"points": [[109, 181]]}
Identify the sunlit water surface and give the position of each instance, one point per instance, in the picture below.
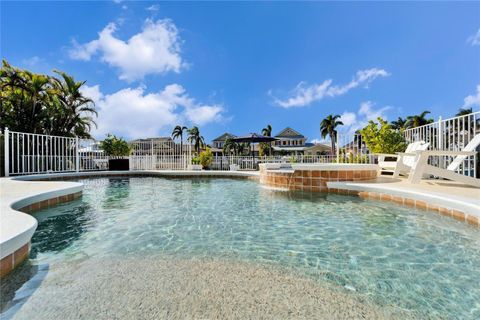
{"points": [[395, 256]]}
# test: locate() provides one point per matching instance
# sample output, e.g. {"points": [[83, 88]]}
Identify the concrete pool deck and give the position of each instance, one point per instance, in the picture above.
{"points": [[25, 194]]}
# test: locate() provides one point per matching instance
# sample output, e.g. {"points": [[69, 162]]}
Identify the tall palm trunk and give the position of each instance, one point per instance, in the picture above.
{"points": [[333, 141], [181, 143]]}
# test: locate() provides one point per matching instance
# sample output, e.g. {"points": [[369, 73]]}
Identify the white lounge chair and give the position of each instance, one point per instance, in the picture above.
{"points": [[421, 166], [404, 161]]}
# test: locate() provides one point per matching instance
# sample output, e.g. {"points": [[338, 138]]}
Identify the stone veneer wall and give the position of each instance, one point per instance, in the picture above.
{"points": [[10, 262], [311, 180]]}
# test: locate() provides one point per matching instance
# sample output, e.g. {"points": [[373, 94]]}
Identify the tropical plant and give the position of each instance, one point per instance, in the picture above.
{"points": [[206, 158], [463, 112], [328, 128], [79, 109], [113, 146], [267, 131], [195, 138], [178, 133], [243, 148], [44, 104], [399, 124], [418, 120], [381, 138], [230, 147], [264, 149], [195, 160]]}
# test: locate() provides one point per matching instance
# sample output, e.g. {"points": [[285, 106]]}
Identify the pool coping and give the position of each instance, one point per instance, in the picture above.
{"points": [[459, 208], [22, 195]]}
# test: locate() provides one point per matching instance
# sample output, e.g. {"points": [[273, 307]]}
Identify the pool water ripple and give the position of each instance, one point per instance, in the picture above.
{"points": [[395, 256]]}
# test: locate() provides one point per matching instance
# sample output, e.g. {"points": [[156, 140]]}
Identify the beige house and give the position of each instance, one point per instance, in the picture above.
{"points": [[318, 149]]}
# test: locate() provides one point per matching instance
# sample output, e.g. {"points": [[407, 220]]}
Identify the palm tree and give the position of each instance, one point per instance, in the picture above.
{"points": [[195, 138], [178, 133], [399, 124], [230, 147], [78, 110], [44, 104], [267, 131], [463, 112], [418, 120], [24, 96], [243, 148], [328, 127]]}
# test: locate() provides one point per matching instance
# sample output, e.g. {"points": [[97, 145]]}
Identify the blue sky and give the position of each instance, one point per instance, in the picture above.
{"points": [[239, 66]]}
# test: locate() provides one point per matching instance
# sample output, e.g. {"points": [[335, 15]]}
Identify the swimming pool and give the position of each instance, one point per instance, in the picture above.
{"points": [[407, 261]]}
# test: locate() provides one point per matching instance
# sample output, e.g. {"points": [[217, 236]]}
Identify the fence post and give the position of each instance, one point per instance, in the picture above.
{"points": [[440, 142], [6, 140], [336, 143], [440, 134], [77, 154], [151, 154]]}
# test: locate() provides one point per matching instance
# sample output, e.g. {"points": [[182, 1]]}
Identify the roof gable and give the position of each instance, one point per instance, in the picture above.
{"points": [[289, 133], [224, 137]]}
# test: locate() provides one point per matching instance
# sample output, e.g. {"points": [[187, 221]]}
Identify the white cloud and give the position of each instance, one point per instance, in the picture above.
{"points": [[348, 118], [154, 7], [474, 39], [32, 61], [353, 121], [155, 50], [304, 94], [472, 100], [134, 113]]}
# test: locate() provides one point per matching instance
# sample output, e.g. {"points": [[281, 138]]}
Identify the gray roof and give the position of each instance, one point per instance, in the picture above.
{"points": [[224, 137]]}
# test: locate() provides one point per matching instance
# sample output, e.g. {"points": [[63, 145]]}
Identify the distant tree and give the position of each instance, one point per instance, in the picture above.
{"points": [[418, 120], [230, 147], [328, 127], [114, 146], [178, 133], [463, 112], [243, 148], [399, 124], [267, 131], [264, 148], [195, 138], [382, 138]]}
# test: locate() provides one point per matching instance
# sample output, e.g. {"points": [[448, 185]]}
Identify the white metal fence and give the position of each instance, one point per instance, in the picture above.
{"points": [[27, 153], [451, 134]]}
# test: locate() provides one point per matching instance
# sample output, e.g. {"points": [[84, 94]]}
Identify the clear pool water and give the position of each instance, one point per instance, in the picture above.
{"points": [[397, 257]]}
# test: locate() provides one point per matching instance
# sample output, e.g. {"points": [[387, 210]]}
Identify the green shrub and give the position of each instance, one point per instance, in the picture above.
{"points": [[206, 158], [195, 160], [114, 146], [381, 138]]}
